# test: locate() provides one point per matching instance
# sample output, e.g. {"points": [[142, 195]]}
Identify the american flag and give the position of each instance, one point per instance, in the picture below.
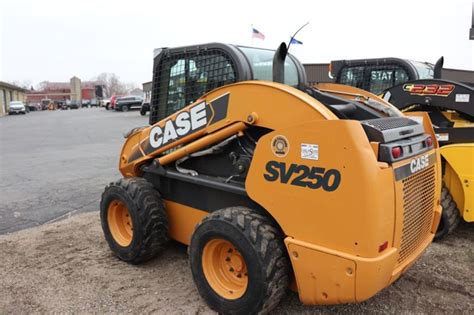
{"points": [[257, 34]]}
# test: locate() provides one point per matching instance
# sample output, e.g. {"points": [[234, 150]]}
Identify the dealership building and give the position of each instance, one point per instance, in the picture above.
{"points": [[74, 90]]}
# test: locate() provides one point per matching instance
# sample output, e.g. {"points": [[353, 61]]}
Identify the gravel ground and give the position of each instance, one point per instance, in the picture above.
{"points": [[67, 267]]}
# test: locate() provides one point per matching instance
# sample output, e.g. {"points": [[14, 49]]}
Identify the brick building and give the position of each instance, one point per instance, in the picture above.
{"points": [[64, 91]]}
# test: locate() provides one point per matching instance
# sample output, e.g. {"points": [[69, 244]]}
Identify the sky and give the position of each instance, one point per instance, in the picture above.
{"points": [[51, 40]]}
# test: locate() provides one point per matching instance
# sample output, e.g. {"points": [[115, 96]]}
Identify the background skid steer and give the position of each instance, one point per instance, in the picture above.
{"points": [[417, 86], [272, 182]]}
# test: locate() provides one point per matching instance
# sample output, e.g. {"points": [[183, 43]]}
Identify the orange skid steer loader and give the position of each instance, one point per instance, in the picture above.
{"points": [[272, 183]]}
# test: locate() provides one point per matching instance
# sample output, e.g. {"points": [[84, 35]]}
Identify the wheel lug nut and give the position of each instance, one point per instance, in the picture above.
{"points": [[227, 259], [231, 269], [239, 275], [230, 250]]}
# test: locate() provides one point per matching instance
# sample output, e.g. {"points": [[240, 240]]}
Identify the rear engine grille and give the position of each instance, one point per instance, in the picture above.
{"points": [[418, 203], [390, 123]]}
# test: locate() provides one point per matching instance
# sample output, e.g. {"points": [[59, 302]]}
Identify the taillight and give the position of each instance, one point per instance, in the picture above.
{"points": [[383, 246], [429, 142], [396, 152]]}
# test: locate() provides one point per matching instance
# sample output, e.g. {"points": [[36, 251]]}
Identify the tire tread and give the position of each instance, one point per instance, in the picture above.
{"points": [[269, 245], [450, 214], [152, 216]]}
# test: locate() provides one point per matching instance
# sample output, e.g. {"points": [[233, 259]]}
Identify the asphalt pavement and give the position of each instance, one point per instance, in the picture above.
{"points": [[56, 163]]}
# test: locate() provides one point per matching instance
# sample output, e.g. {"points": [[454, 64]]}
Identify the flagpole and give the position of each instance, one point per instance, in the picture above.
{"points": [[289, 44], [251, 25]]}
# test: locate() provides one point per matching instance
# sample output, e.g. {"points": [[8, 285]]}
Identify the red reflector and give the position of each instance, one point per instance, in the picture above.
{"points": [[429, 142], [383, 246], [396, 152]]}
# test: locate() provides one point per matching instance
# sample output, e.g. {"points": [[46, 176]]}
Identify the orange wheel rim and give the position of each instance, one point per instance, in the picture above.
{"points": [[120, 223], [225, 269]]}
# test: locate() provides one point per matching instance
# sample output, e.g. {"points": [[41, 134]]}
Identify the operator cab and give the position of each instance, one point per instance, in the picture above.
{"points": [[189, 72], [181, 75], [376, 75]]}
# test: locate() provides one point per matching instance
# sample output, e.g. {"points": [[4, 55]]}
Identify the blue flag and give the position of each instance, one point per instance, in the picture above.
{"points": [[295, 41]]}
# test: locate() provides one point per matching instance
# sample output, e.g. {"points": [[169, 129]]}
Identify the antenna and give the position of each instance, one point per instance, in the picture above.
{"points": [[291, 39]]}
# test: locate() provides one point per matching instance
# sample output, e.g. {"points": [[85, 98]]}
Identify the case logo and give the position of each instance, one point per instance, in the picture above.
{"points": [[183, 124], [419, 163]]}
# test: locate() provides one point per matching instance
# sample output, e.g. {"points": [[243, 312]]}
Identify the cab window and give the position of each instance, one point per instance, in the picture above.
{"points": [[185, 77], [381, 79], [353, 76], [261, 62], [424, 70], [375, 78]]}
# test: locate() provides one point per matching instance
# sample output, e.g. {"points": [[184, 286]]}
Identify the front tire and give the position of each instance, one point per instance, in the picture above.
{"points": [[450, 216], [124, 108], [239, 262], [142, 112], [133, 220]]}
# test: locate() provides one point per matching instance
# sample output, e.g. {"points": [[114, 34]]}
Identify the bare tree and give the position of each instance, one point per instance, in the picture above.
{"points": [[112, 84], [42, 85], [26, 84]]}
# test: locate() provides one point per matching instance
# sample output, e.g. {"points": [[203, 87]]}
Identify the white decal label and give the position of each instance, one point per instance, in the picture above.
{"points": [[309, 151], [462, 98], [442, 136]]}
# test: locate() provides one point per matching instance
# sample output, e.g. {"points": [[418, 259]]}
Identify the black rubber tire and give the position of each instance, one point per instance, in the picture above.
{"points": [[124, 108], [149, 219], [263, 249], [450, 216], [142, 112], [107, 106]]}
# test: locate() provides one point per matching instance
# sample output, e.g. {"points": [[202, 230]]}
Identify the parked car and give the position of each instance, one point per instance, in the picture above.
{"points": [[59, 104], [74, 104], [86, 103], [17, 107], [128, 102], [94, 102], [33, 107], [113, 101], [145, 108], [105, 102], [45, 103]]}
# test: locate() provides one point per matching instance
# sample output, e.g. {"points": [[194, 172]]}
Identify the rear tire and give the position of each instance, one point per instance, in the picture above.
{"points": [[142, 112], [249, 276], [124, 108], [133, 219], [450, 216]]}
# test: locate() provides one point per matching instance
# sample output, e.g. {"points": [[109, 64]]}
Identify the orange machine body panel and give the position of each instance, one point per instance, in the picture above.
{"points": [[350, 222]]}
